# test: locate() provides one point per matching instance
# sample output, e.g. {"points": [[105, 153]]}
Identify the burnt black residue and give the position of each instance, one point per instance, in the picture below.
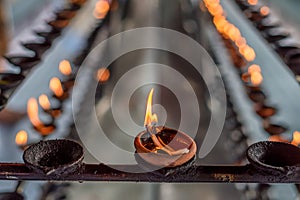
{"points": [[274, 156], [165, 134], [52, 154], [257, 96], [11, 196]]}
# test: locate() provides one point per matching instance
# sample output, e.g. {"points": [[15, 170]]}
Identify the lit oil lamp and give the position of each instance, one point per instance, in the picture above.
{"points": [[101, 9], [162, 146], [264, 10], [56, 87], [47, 107], [253, 77], [33, 115], [103, 75], [65, 68]]}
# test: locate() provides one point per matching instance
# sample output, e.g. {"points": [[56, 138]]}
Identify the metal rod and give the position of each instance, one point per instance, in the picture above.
{"points": [[101, 172]]}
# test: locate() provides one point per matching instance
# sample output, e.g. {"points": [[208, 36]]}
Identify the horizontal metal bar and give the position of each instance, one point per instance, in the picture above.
{"points": [[101, 172]]}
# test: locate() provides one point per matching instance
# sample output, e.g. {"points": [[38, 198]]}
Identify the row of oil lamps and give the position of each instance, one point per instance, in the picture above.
{"points": [[156, 145], [159, 146], [272, 30], [61, 90], [251, 75], [52, 105], [282, 42], [24, 63]]}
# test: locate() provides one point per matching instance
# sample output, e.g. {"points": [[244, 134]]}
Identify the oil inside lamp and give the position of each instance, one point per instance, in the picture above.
{"points": [[161, 146], [21, 139]]}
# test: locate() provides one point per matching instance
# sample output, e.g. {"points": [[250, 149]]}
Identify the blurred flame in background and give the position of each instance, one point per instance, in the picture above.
{"points": [[103, 75], [65, 67], [101, 9], [44, 102], [56, 87], [21, 138]]}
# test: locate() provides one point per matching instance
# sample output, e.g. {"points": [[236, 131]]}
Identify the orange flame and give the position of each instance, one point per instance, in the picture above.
{"points": [[101, 9], [256, 78], [33, 112], [241, 42], [103, 74], [296, 138], [149, 117], [276, 138], [65, 67], [248, 53], [56, 87], [252, 2], [265, 10], [21, 138], [254, 68], [44, 102], [45, 130]]}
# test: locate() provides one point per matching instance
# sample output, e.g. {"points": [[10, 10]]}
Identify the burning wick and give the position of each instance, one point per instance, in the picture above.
{"points": [[21, 139], [150, 123]]}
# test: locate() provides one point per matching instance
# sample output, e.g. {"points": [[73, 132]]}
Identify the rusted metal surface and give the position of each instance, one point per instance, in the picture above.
{"points": [[101, 172]]}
